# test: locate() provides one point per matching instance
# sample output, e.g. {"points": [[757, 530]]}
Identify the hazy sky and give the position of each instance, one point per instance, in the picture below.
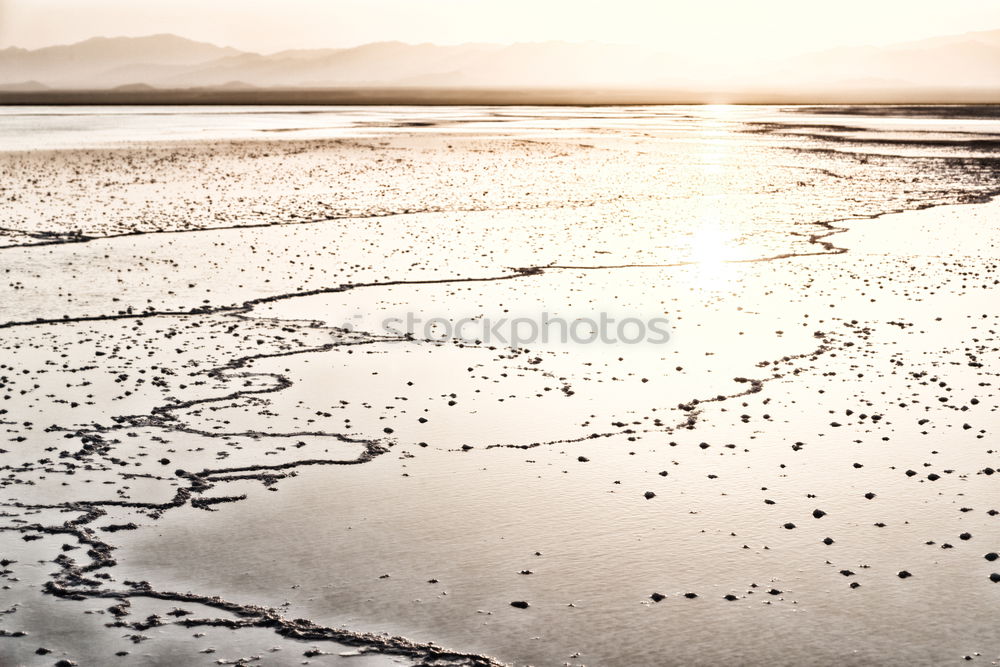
{"points": [[718, 29]]}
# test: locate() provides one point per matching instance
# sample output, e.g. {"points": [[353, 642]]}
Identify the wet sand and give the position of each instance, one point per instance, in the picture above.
{"points": [[206, 462]]}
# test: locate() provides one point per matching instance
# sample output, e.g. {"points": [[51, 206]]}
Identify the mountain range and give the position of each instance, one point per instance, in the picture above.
{"points": [[167, 61]]}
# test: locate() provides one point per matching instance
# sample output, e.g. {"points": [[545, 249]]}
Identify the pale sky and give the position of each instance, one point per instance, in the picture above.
{"points": [[716, 29]]}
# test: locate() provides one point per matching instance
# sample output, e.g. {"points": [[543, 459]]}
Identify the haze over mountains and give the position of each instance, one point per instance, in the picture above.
{"points": [[168, 61]]}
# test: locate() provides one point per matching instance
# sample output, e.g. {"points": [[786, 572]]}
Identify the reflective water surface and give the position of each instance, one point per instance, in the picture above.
{"points": [[217, 451]]}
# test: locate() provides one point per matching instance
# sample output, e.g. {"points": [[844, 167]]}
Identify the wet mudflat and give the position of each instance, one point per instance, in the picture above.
{"points": [[216, 451]]}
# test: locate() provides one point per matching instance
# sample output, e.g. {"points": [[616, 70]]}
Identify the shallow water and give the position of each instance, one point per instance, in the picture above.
{"points": [[212, 380], [57, 127]]}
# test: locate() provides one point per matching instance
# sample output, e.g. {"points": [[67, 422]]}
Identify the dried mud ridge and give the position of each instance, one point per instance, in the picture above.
{"points": [[47, 238], [87, 580], [75, 582], [692, 408]]}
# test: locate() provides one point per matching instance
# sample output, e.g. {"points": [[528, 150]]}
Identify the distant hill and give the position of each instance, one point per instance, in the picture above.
{"points": [[133, 88], [398, 64], [82, 64], [971, 59], [171, 62], [24, 87]]}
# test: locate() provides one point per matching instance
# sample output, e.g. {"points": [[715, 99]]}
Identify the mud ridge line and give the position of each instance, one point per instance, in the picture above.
{"points": [[73, 583], [249, 305], [48, 238], [694, 414]]}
